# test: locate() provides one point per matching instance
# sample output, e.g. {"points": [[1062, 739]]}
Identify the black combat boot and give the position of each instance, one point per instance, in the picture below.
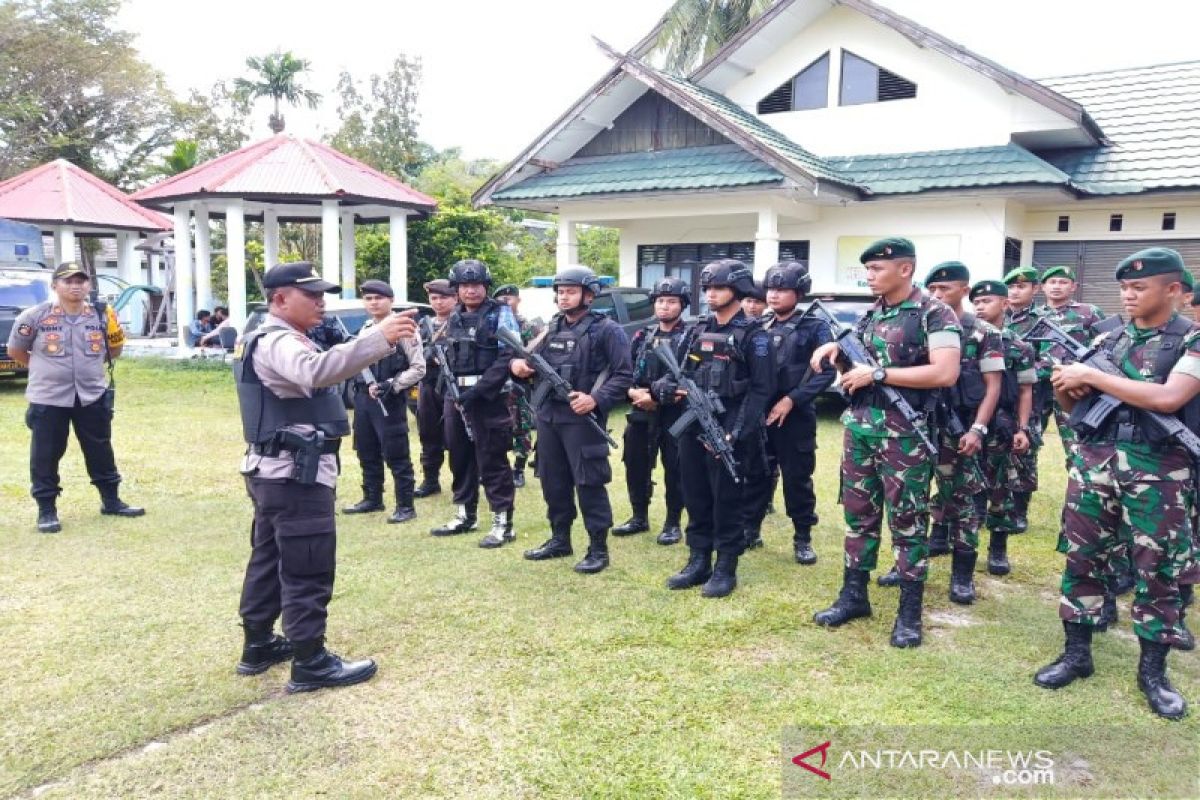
{"points": [[596, 559], [962, 577], [557, 546], [889, 578], [906, 632], [852, 601], [1108, 612], [1187, 642], [1075, 661], [47, 521], [1020, 518], [113, 505], [314, 667], [802, 547], [671, 532], [997, 561], [1152, 680], [404, 509], [752, 538], [501, 532], [697, 570], [724, 577], [519, 472], [939, 539], [262, 650], [372, 501], [465, 520], [638, 523], [428, 488]]}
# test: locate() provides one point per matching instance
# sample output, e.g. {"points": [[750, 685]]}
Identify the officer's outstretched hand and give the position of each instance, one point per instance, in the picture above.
{"points": [[402, 325], [824, 353], [582, 403], [520, 367]]}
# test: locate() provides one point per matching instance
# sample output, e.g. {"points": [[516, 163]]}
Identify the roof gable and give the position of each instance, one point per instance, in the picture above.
{"points": [[61, 193]]}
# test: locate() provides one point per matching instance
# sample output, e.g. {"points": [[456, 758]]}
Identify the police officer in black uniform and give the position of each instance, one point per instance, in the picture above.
{"points": [[728, 354], [431, 398], [647, 425], [791, 422], [293, 419], [479, 362], [591, 352]]}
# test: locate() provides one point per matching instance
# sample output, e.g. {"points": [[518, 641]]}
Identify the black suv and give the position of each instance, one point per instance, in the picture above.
{"points": [[22, 286]]}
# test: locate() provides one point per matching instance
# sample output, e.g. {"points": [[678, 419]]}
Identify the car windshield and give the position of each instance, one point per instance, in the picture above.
{"points": [[22, 288]]}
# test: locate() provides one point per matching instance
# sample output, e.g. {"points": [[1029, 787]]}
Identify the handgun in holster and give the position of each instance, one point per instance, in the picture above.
{"points": [[306, 454]]}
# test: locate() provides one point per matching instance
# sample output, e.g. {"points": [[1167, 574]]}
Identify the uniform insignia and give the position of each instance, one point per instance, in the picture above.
{"points": [[94, 335], [95, 347], [53, 337], [1137, 265], [51, 348], [760, 346], [50, 321], [707, 346], [24, 330], [887, 251]]}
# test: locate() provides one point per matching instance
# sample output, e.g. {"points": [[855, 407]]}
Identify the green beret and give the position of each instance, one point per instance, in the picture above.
{"points": [[948, 271], [989, 288], [1051, 272], [1151, 261], [1189, 281], [889, 249], [1196, 299], [1021, 274]]}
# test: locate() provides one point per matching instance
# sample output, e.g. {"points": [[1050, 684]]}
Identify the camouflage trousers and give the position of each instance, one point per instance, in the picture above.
{"points": [[1002, 470], [958, 483], [886, 473], [1024, 476], [523, 422], [1115, 493]]}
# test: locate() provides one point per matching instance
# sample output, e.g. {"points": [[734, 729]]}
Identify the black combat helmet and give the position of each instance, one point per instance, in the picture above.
{"points": [[672, 287], [578, 276], [788, 275], [728, 272], [470, 270]]}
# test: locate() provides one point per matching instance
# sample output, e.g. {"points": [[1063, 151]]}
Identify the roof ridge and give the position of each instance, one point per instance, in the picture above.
{"points": [[362, 166], [1165, 64], [208, 165], [330, 180]]}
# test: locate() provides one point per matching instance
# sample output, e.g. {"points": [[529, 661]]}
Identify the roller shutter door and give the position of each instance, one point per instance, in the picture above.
{"points": [[1095, 261]]}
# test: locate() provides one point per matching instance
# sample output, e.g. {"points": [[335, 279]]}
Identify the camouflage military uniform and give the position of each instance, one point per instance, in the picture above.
{"points": [[1008, 473], [1079, 320], [884, 465], [1117, 480], [518, 401], [960, 478], [1026, 465]]}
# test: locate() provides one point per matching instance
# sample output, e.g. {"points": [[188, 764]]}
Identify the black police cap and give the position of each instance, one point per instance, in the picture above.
{"points": [[301, 274]]}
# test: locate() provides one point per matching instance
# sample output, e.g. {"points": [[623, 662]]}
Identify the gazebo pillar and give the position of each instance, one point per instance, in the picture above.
{"points": [[398, 253], [127, 270], [567, 252], [348, 259], [204, 293], [64, 244], [270, 238], [184, 309], [235, 259], [329, 241]]}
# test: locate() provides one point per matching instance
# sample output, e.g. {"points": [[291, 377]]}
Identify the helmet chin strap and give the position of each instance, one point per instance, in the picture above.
{"points": [[732, 299]]}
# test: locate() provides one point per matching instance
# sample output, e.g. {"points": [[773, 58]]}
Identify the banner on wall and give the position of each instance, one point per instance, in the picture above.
{"points": [[931, 251]]}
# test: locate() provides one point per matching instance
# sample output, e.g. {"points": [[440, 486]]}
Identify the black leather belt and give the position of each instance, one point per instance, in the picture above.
{"points": [[273, 449]]}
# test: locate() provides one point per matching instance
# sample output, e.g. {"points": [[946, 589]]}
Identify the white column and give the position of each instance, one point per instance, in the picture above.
{"points": [[568, 243], [127, 270], [152, 264], [204, 292], [329, 241], [235, 257], [766, 242], [398, 254], [270, 238], [348, 278], [64, 244], [184, 308]]}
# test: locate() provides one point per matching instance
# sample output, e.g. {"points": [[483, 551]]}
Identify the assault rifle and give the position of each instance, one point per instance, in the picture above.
{"points": [[1105, 404], [857, 354], [368, 378], [703, 408], [548, 380], [450, 380]]}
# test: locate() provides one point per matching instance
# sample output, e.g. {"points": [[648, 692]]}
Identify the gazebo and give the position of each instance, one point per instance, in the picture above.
{"points": [[68, 202], [281, 179]]}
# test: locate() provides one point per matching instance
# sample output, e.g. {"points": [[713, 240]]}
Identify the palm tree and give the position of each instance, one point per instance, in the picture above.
{"points": [[693, 30], [277, 73], [183, 157]]}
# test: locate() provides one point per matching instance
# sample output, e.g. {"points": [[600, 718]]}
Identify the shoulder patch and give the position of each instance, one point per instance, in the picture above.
{"points": [[761, 346], [24, 330]]}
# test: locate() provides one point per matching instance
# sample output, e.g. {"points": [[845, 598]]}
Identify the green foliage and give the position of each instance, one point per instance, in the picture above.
{"points": [[695, 29], [182, 157], [599, 248], [277, 79], [380, 128], [216, 122]]}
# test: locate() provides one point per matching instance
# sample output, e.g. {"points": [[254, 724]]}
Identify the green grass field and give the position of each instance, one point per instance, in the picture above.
{"points": [[498, 677]]}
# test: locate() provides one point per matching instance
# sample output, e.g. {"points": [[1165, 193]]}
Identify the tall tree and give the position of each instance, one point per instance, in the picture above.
{"points": [[277, 79], [695, 29], [379, 126], [216, 121], [181, 158]]}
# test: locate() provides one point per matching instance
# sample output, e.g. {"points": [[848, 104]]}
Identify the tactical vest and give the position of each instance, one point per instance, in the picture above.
{"points": [[264, 413], [1010, 389], [784, 337], [647, 367], [715, 360], [568, 349], [472, 346], [386, 368], [1127, 422], [969, 389], [912, 351]]}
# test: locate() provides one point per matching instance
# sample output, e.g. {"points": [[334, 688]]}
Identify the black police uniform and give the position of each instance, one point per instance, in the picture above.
{"points": [[431, 401]]}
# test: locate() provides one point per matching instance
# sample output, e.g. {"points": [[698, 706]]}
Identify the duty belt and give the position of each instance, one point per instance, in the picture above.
{"points": [[467, 380], [273, 449]]}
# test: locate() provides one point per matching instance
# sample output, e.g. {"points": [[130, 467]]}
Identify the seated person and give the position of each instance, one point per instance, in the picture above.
{"points": [[219, 320], [198, 327]]}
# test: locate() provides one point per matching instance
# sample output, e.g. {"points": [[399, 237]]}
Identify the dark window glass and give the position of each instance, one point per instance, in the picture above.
{"points": [[1115, 222], [605, 305], [1012, 253], [1064, 224], [1168, 223], [794, 251], [638, 305], [864, 82], [807, 89]]}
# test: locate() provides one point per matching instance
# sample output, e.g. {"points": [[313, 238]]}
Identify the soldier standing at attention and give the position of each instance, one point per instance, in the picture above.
{"points": [[915, 340], [518, 392], [1023, 285], [480, 366], [728, 355], [1008, 438], [380, 414], [431, 395], [590, 352], [65, 343], [791, 422], [293, 420], [1129, 473], [647, 423], [761, 470]]}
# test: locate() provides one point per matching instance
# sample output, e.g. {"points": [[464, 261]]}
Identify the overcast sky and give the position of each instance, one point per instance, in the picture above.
{"points": [[498, 72]]}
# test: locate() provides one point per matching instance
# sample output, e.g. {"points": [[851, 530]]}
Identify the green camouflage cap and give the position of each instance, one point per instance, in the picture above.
{"points": [[948, 271], [889, 249], [1021, 274], [988, 288], [1151, 261], [1064, 271]]}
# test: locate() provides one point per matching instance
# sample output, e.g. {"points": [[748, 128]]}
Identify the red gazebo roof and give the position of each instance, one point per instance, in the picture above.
{"points": [[289, 171], [60, 193]]}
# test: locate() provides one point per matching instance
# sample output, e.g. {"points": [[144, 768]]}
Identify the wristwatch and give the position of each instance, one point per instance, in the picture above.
{"points": [[980, 428], [879, 375]]}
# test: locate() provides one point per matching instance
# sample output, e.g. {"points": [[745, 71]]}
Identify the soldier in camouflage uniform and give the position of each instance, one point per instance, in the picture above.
{"points": [[1129, 473], [1008, 442], [518, 390], [1023, 313], [915, 340]]}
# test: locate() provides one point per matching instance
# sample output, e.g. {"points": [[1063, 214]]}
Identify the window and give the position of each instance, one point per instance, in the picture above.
{"points": [[1168, 222], [1115, 222], [1064, 224], [638, 305], [1012, 253], [605, 305], [864, 82], [807, 89], [684, 261]]}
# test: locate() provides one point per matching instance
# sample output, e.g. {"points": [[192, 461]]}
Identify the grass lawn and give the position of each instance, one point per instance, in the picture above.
{"points": [[498, 677]]}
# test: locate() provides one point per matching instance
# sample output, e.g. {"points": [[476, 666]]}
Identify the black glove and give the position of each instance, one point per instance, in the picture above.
{"points": [[663, 391]]}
